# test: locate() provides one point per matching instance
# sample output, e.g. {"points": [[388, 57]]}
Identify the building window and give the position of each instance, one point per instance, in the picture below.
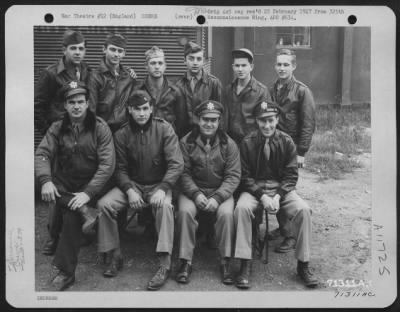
{"points": [[293, 37]]}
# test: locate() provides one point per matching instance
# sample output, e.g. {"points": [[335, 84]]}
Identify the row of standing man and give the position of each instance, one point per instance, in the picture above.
{"points": [[112, 143]]}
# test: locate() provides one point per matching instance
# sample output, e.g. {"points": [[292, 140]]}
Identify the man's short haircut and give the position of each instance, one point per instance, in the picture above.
{"points": [[287, 52]]}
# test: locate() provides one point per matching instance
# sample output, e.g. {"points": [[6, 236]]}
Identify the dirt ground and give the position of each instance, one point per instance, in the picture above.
{"points": [[341, 246]]}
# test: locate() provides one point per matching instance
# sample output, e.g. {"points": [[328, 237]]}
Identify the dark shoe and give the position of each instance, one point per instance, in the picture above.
{"points": [[274, 234], [50, 247], [305, 274], [159, 278], [62, 281], [288, 244], [89, 218], [243, 279], [226, 274], [113, 268], [184, 273]]}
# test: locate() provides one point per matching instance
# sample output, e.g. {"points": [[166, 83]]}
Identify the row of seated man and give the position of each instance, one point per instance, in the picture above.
{"points": [[94, 175]]}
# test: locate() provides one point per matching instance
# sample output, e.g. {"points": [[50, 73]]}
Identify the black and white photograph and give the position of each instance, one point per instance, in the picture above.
{"points": [[201, 158]]}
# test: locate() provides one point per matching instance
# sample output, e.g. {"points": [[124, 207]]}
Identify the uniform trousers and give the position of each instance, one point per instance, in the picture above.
{"points": [[187, 226], [66, 255], [108, 234], [292, 208]]}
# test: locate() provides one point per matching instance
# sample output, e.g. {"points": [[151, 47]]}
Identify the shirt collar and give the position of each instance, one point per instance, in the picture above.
{"points": [[200, 76]]}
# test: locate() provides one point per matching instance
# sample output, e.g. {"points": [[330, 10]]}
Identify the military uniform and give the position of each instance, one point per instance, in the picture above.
{"points": [[169, 105], [239, 107], [270, 167], [297, 112], [85, 160], [110, 89], [148, 159], [206, 87], [213, 170], [49, 102]]}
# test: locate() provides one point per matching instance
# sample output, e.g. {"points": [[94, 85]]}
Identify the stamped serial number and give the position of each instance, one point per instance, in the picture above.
{"points": [[351, 283], [47, 298]]}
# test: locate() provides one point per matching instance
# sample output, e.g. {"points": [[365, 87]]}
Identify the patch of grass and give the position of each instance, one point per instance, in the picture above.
{"points": [[341, 134]]}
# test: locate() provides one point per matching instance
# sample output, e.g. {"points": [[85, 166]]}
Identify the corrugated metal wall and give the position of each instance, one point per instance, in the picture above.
{"points": [[48, 47]]}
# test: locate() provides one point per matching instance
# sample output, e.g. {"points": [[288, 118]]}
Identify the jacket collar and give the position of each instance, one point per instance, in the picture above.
{"points": [[251, 84], [136, 128], [287, 84], [204, 77], [145, 84], [272, 139], [104, 68], [194, 136], [88, 123], [61, 66]]}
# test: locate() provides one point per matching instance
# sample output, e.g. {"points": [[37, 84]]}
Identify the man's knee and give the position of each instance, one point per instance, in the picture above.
{"points": [[242, 208]]}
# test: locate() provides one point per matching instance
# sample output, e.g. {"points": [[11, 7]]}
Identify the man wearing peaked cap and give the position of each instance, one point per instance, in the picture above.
{"points": [[73, 163], [269, 178], [196, 85], [48, 101], [241, 96], [49, 105], [211, 175], [243, 53], [149, 162], [166, 98], [112, 83]]}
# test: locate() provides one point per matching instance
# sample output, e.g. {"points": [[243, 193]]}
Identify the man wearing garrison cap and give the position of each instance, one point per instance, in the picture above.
{"points": [[196, 85], [149, 162], [112, 83], [49, 104], [166, 98], [48, 100], [73, 163], [269, 177], [211, 175], [241, 96]]}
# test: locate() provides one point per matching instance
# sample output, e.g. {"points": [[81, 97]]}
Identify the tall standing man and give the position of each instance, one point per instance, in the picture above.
{"points": [[166, 98], [81, 144], [211, 175], [112, 83], [241, 96], [269, 177], [49, 103], [196, 85], [49, 106], [297, 119], [149, 162]]}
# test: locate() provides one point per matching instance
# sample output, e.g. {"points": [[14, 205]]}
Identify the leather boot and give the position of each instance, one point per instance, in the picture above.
{"points": [[306, 275], [243, 279], [89, 217]]}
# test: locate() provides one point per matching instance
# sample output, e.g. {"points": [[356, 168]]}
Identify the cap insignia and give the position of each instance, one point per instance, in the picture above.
{"points": [[73, 85], [210, 106], [264, 105]]}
